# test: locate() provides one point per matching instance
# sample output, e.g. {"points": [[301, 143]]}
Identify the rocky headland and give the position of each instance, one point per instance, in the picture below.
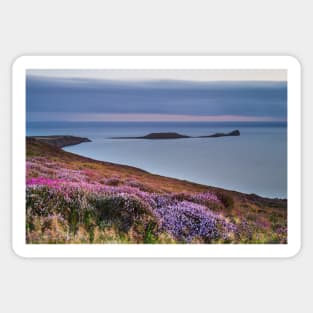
{"points": [[61, 141]]}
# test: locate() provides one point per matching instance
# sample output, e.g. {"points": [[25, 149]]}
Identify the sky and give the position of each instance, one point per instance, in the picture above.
{"points": [[156, 95], [187, 75]]}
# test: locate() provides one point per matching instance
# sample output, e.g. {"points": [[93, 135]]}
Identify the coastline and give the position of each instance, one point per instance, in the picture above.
{"points": [[254, 162], [62, 141], [123, 166]]}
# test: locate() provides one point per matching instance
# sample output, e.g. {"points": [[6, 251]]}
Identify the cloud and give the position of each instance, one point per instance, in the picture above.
{"points": [[197, 75], [203, 100]]}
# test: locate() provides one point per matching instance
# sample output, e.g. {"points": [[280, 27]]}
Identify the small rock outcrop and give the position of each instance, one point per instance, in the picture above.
{"points": [[232, 133]]}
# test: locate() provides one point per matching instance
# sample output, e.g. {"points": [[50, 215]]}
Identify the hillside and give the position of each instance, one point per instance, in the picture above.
{"points": [[73, 199]]}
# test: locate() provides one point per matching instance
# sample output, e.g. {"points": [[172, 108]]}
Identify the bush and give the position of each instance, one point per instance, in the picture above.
{"points": [[227, 200], [125, 212], [113, 181]]}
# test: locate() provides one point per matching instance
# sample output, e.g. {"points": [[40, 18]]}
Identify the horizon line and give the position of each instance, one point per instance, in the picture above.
{"points": [[142, 117]]}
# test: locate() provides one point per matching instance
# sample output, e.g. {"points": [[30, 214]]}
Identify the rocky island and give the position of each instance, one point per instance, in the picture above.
{"points": [[232, 133], [173, 135]]}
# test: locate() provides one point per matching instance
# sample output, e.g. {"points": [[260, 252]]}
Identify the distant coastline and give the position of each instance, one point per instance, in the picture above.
{"points": [[62, 141], [173, 135]]}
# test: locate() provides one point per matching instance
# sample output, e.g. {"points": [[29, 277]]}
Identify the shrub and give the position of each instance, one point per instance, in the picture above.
{"points": [[124, 211], [188, 221], [227, 200], [113, 181]]}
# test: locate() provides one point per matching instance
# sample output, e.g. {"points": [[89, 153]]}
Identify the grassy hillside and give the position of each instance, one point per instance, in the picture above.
{"points": [[73, 199]]}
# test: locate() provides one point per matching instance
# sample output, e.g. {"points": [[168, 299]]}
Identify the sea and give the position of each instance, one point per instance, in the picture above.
{"points": [[254, 162]]}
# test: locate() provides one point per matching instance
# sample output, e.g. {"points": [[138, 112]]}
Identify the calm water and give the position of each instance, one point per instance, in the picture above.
{"points": [[255, 162]]}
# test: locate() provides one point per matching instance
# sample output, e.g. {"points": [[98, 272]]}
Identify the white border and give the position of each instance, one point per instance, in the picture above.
{"points": [[157, 62]]}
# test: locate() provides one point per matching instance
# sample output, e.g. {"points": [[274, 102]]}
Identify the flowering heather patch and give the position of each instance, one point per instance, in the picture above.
{"points": [[187, 221], [44, 168], [201, 197], [128, 209], [76, 200], [126, 206]]}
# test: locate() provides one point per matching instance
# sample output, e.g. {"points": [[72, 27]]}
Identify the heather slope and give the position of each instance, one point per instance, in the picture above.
{"points": [[73, 199]]}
